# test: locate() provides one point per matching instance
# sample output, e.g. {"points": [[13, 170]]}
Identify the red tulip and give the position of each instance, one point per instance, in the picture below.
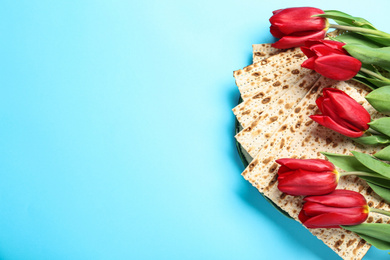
{"points": [[341, 113], [296, 25], [329, 59], [306, 176], [341, 207]]}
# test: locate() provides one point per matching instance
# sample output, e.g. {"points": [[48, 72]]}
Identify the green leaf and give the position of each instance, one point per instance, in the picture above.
{"points": [[381, 125], [376, 56], [381, 40], [383, 192], [373, 164], [376, 234], [346, 19], [346, 162], [350, 164], [377, 69], [383, 154], [378, 83], [338, 17], [379, 99], [370, 67], [384, 183], [373, 139], [377, 230], [355, 38], [380, 244], [365, 82]]}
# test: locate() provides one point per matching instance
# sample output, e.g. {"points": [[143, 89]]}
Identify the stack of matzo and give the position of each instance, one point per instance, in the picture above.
{"points": [[279, 96]]}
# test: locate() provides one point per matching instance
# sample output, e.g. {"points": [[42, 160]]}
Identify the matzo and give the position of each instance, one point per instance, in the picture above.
{"points": [[277, 99], [253, 137], [265, 71], [264, 51]]}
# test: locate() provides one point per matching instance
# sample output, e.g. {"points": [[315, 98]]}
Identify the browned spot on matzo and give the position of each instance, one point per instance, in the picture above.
{"points": [[274, 118], [276, 84], [266, 100], [259, 95]]}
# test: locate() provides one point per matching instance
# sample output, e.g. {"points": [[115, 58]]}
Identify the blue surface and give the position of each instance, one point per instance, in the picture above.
{"points": [[117, 132]]}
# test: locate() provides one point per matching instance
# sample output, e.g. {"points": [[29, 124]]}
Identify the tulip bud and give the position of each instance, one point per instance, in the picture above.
{"points": [[296, 25], [306, 176], [329, 59], [340, 207], [341, 113]]}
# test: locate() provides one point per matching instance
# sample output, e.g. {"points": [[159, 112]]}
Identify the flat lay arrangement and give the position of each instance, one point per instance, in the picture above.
{"points": [[312, 126]]}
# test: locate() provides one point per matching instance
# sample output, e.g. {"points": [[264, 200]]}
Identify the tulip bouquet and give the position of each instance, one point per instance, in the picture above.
{"points": [[327, 207], [360, 51]]}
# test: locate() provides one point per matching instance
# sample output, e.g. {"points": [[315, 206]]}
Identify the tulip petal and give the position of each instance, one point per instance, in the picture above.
{"points": [[331, 124], [275, 32], [335, 45], [317, 165], [327, 91], [322, 50], [302, 182], [330, 110], [313, 209], [283, 169], [302, 216], [347, 109], [309, 63], [310, 43], [276, 11], [291, 20], [338, 67], [309, 53], [283, 176], [290, 41], [339, 198], [331, 44], [319, 102], [330, 220]]}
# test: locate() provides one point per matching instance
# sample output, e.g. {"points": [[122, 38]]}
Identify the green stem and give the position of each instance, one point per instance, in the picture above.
{"points": [[376, 75], [357, 173], [380, 211], [359, 29]]}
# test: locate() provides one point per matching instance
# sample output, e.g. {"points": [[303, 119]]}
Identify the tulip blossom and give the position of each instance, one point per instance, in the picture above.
{"points": [[296, 25], [329, 59], [341, 113], [340, 207], [306, 176]]}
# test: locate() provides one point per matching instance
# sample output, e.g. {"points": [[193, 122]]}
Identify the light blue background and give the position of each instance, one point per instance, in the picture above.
{"points": [[116, 131]]}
